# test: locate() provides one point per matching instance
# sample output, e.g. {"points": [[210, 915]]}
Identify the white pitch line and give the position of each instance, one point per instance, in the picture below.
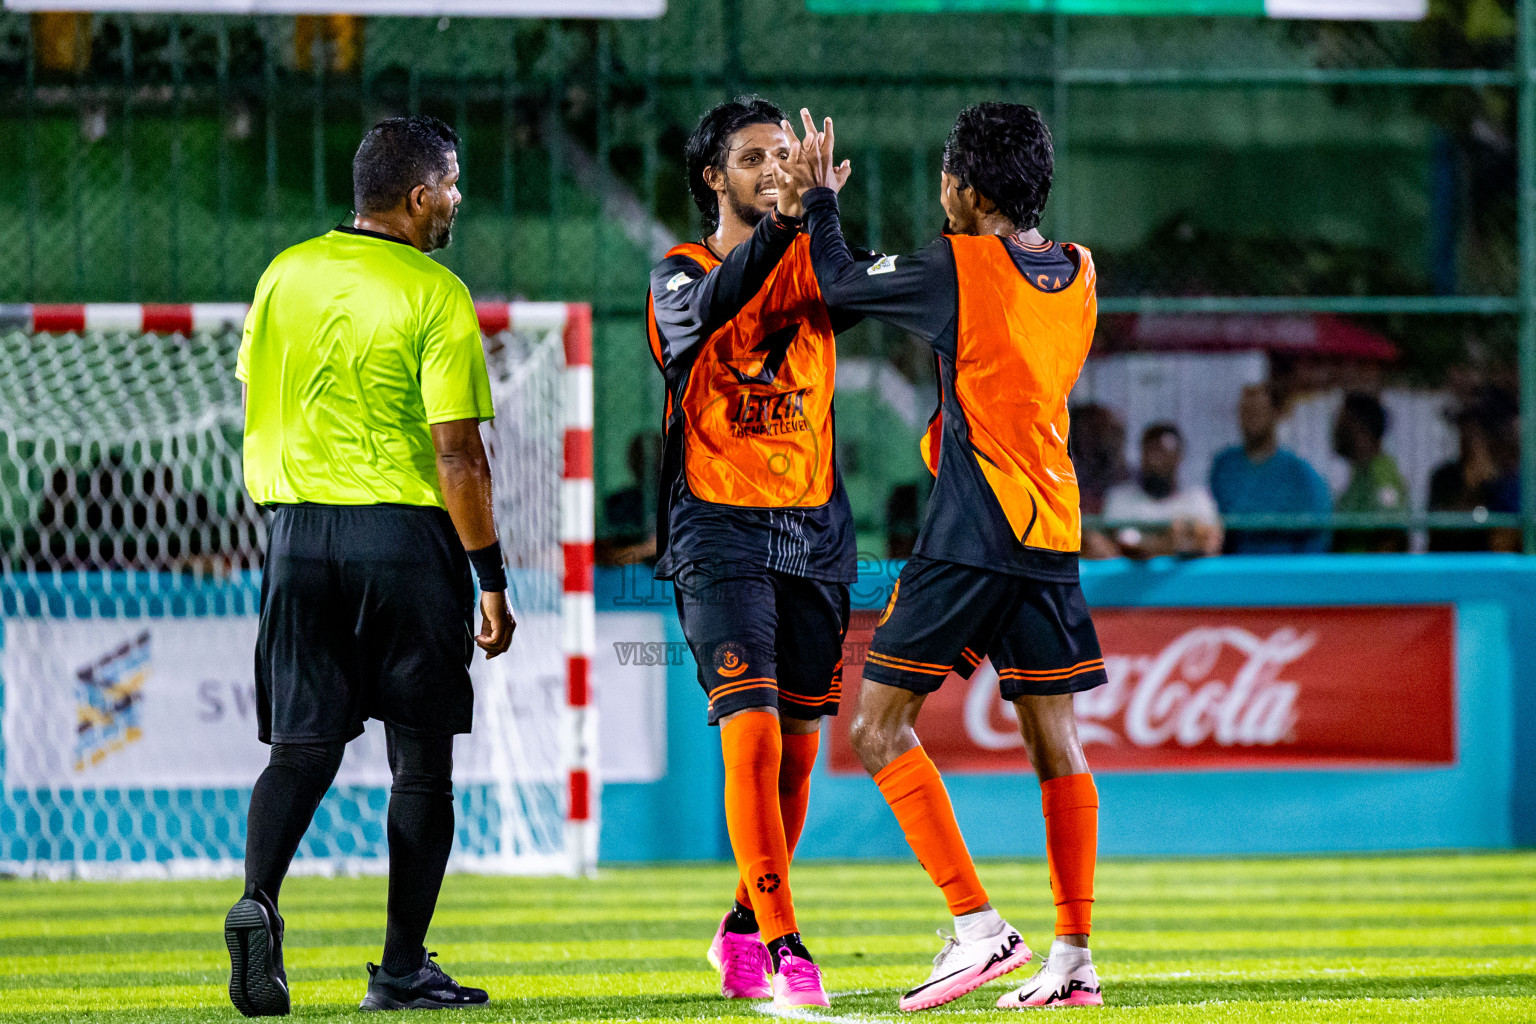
{"points": [[802, 1013]]}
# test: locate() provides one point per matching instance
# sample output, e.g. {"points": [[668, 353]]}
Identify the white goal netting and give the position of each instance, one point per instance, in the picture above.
{"points": [[129, 578]]}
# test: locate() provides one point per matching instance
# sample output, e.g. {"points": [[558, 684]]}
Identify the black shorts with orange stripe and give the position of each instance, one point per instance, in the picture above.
{"points": [[944, 617], [763, 638]]}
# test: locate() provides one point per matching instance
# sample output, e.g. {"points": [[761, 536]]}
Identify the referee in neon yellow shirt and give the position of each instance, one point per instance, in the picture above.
{"points": [[365, 389]]}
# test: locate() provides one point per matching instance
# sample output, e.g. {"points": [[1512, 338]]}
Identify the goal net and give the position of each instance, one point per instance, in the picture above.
{"points": [[130, 558]]}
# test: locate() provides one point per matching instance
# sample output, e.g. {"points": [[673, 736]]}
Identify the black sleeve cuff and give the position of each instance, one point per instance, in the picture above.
{"points": [[818, 196], [490, 570]]}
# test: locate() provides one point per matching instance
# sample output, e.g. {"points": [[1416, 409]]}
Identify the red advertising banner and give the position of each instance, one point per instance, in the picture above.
{"points": [[1218, 688]]}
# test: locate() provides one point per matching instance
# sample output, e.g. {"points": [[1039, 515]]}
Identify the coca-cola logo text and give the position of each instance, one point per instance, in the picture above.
{"points": [[1191, 691], [1222, 688]]}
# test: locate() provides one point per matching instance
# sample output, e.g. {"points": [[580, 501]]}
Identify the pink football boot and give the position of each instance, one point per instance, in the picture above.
{"points": [[743, 963], [798, 983]]}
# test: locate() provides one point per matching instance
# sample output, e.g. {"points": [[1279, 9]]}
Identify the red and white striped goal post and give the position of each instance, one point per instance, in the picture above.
{"points": [[578, 609], [142, 318], [577, 527]]}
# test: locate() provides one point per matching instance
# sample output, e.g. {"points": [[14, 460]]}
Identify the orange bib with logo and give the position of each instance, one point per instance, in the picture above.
{"points": [[756, 407], [1020, 350]]}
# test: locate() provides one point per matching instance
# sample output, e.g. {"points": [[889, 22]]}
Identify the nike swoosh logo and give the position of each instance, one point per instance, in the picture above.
{"points": [[997, 958], [1065, 992]]}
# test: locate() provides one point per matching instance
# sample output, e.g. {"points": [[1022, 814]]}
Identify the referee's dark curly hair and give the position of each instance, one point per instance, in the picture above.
{"points": [[1004, 152], [710, 143], [395, 156]]}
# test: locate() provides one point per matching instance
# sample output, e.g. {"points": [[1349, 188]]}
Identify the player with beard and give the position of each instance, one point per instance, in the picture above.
{"points": [[1010, 316], [365, 389], [753, 524]]}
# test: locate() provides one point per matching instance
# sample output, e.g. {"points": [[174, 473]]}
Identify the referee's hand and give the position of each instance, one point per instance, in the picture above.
{"points": [[496, 623]]}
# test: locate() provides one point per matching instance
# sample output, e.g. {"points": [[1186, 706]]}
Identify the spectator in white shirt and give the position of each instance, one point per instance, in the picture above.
{"points": [[1171, 519]]}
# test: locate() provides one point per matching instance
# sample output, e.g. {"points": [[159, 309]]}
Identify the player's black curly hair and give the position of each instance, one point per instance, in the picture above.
{"points": [[1003, 151], [395, 156], [711, 141]]}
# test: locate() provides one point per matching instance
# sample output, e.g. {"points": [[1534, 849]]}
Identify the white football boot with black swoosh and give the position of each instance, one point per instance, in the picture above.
{"points": [[1060, 981], [963, 967]]}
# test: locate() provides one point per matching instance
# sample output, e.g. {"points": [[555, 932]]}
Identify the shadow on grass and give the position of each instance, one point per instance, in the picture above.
{"points": [[1315, 957], [700, 928], [629, 1008], [705, 1007], [1145, 992]]}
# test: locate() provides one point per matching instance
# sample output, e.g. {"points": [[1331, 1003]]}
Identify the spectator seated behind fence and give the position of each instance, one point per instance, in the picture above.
{"points": [[1260, 477], [118, 515], [1485, 475], [1096, 443], [1097, 446], [630, 511], [1375, 482], [1154, 496]]}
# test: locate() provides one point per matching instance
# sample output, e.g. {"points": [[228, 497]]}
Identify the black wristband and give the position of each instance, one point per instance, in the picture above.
{"points": [[489, 569], [785, 221]]}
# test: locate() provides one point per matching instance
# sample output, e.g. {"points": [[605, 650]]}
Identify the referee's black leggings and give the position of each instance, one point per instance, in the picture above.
{"points": [[420, 828]]}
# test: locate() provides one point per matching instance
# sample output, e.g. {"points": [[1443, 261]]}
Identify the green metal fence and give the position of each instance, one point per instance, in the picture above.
{"points": [[1383, 171]]}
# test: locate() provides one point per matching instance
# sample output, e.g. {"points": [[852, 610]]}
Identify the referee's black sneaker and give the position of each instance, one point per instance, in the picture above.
{"points": [[426, 988], [253, 931]]}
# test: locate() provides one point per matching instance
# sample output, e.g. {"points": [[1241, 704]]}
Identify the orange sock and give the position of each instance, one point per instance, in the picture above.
{"points": [[911, 785], [794, 794], [1071, 805], [753, 749]]}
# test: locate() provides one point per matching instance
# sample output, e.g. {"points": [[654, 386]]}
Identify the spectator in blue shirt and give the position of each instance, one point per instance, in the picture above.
{"points": [[1258, 476]]}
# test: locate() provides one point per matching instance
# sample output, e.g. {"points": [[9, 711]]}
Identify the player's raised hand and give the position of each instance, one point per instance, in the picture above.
{"points": [[792, 176], [825, 171]]}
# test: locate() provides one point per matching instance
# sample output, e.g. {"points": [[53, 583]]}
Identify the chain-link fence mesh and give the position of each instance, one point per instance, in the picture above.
{"points": [[1198, 157], [122, 452], [128, 614]]}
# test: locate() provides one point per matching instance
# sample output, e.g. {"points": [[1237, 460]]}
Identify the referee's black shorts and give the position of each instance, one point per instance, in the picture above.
{"points": [[945, 617], [367, 611], [764, 638]]}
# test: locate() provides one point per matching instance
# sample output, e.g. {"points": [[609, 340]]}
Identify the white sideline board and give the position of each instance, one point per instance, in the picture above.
{"points": [[192, 720], [396, 8]]}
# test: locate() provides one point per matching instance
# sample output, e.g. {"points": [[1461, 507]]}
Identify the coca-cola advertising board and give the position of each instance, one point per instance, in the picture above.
{"points": [[1219, 688]]}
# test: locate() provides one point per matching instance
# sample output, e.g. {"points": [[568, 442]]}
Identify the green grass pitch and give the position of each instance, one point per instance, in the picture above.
{"points": [[1413, 938]]}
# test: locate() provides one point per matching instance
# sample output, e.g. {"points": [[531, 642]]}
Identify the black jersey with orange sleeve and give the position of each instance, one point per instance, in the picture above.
{"points": [[1010, 326], [749, 474]]}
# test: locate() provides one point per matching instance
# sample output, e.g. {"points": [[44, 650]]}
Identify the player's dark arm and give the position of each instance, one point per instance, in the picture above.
{"points": [[691, 304], [464, 474], [916, 292], [844, 319]]}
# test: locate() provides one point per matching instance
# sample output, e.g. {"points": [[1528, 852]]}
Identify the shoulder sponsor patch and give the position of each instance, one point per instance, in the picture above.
{"points": [[678, 280], [884, 265]]}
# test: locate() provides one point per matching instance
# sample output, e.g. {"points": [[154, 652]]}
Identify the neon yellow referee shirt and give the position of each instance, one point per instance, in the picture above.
{"points": [[356, 343]]}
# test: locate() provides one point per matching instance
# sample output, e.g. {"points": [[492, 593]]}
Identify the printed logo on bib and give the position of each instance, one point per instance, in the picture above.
{"points": [[774, 348], [782, 412]]}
